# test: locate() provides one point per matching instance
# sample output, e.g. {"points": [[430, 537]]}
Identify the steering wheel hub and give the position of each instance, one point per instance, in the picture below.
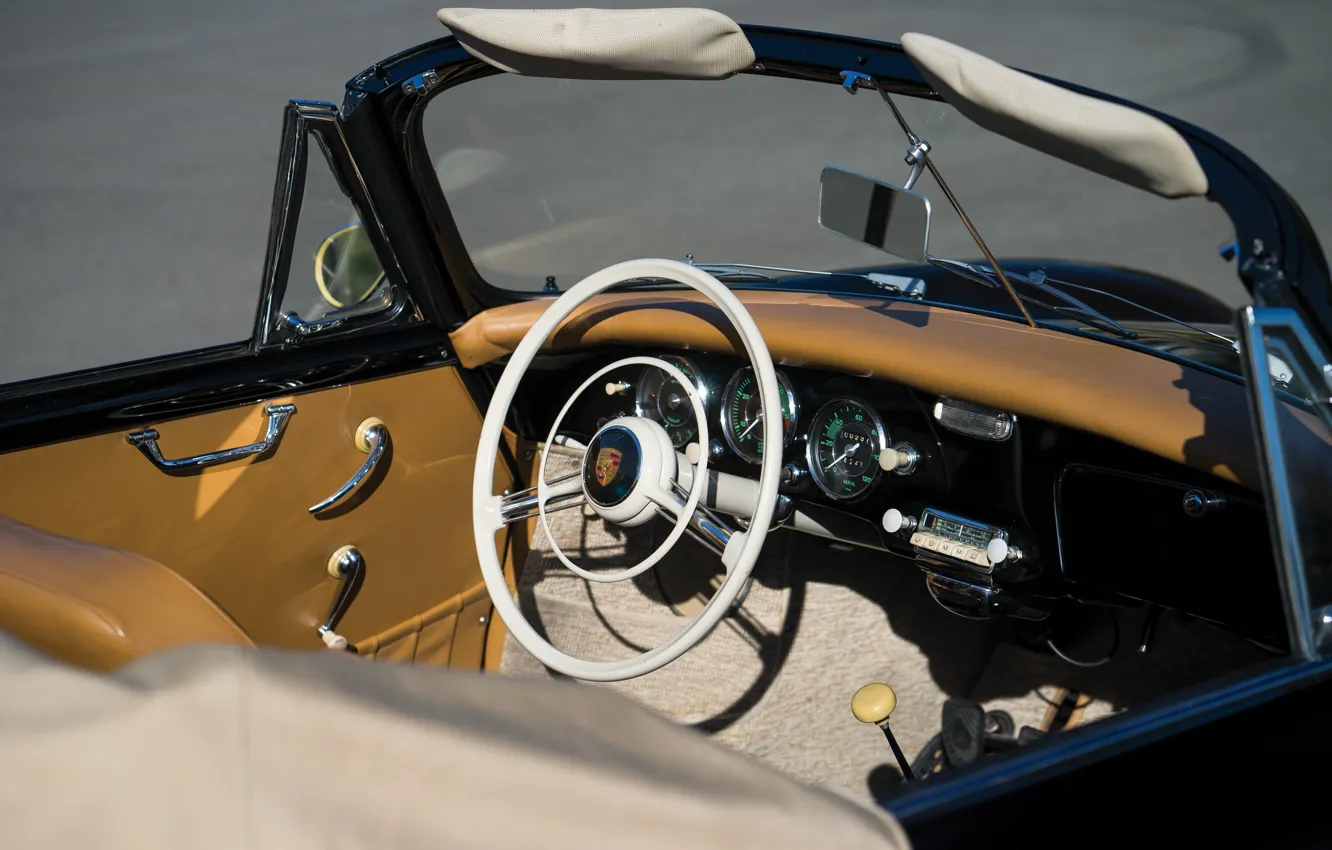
{"points": [[628, 461], [611, 467]]}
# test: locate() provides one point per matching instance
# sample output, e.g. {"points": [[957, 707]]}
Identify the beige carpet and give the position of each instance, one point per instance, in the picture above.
{"points": [[774, 681]]}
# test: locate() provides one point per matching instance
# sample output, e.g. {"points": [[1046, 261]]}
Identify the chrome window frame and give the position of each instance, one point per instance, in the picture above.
{"points": [[1310, 628], [301, 120]]}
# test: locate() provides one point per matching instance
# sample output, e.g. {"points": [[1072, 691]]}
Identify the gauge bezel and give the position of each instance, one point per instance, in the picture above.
{"points": [[689, 367], [816, 473], [725, 405]]}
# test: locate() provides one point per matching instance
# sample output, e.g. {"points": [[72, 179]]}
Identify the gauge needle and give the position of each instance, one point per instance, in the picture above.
{"points": [[850, 450], [757, 420]]}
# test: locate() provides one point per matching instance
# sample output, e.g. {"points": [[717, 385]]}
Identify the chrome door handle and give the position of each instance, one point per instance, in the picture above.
{"points": [[146, 442], [371, 437]]}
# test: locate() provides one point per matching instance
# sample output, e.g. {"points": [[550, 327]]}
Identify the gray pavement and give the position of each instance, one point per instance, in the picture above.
{"points": [[139, 143]]}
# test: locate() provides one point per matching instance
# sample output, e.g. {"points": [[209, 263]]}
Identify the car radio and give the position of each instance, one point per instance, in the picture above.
{"points": [[955, 539]]}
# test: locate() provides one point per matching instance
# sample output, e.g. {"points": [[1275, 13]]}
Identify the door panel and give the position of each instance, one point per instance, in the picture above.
{"points": [[241, 532]]}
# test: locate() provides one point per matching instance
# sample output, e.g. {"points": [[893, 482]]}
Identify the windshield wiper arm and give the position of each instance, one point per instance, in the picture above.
{"points": [[914, 288], [1072, 307]]}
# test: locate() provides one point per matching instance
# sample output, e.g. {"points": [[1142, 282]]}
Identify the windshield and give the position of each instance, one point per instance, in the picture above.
{"points": [[559, 178]]}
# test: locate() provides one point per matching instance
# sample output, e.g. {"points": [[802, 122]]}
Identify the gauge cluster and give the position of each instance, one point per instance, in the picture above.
{"points": [[837, 430]]}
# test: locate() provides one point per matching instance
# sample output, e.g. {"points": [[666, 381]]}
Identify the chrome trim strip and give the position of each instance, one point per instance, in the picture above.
{"points": [[301, 119], [1254, 323], [145, 440]]}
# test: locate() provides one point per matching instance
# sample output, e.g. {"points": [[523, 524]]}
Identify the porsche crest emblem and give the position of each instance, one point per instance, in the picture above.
{"points": [[608, 466]]}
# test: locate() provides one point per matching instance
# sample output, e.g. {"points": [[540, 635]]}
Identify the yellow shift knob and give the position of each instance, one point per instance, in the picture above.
{"points": [[874, 703]]}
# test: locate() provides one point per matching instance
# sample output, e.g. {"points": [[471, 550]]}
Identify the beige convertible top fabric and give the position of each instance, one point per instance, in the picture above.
{"points": [[225, 747], [1107, 138], [604, 44]]}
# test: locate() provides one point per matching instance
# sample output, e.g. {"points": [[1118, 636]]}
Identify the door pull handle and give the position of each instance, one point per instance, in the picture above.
{"points": [[145, 440], [372, 438]]}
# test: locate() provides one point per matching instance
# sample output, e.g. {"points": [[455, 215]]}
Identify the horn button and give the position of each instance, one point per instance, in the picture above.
{"points": [[625, 460]]}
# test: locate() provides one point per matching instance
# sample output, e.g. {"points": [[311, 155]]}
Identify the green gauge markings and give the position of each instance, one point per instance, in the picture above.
{"points": [[844, 460], [742, 419]]}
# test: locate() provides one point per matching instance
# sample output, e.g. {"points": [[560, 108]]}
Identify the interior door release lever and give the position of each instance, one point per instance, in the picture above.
{"points": [[372, 438], [346, 565]]}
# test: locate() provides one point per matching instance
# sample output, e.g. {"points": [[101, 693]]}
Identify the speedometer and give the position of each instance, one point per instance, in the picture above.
{"points": [[845, 438], [742, 414], [661, 397]]}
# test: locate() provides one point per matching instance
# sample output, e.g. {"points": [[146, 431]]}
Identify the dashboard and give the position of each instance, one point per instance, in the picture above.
{"points": [[1005, 516]]}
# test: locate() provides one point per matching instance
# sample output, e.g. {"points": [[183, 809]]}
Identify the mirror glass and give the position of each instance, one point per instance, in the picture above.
{"points": [[347, 270], [874, 213]]}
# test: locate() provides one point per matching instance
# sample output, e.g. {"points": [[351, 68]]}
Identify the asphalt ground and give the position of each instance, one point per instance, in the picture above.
{"points": [[139, 141]]}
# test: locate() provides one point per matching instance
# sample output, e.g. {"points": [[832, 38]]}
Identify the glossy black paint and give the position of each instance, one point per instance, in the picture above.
{"points": [[1158, 293], [158, 390], [1277, 252], [1128, 533], [1219, 569], [1240, 765]]}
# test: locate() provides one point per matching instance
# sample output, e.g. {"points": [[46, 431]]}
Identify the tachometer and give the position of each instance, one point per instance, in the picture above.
{"points": [[742, 414], [845, 438], [661, 397]]}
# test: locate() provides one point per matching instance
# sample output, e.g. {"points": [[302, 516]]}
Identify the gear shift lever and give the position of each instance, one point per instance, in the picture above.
{"points": [[874, 703]]}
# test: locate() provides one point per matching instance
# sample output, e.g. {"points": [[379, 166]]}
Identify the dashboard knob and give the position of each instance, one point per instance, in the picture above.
{"points": [[793, 473], [895, 521], [997, 551], [617, 387], [901, 458]]}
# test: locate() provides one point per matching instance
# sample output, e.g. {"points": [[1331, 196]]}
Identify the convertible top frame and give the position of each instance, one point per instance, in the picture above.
{"points": [[1277, 255]]}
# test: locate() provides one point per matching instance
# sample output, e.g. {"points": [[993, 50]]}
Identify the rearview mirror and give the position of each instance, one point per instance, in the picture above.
{"points": [[347, 270], [874, 213]]}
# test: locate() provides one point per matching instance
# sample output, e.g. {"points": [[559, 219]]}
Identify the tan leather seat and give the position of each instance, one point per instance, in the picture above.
{"points": [[97, 607]]}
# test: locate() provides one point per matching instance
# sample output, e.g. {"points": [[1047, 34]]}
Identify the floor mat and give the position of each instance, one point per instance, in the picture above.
{"points": [[775, 679]]}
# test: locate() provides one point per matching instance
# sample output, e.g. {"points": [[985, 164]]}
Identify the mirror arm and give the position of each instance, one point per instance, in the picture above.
{"points": [[919, 154]]}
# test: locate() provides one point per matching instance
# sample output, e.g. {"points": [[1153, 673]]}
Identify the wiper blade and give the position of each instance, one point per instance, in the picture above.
{"points": [[1072, 307], [913, 287]]}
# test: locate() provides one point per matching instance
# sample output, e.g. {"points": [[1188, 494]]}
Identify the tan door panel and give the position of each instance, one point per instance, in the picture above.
{"points": [[242, 533]]}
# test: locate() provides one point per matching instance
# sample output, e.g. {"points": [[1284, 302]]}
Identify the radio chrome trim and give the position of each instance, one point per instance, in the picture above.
{"points": [[948, 560]]}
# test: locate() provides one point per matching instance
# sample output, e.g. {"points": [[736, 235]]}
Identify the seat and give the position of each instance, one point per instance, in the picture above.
{"points": [[218, 747], [97, 607]]}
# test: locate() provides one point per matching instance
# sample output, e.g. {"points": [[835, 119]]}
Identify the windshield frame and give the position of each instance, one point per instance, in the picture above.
{"points": [[1274, 242]]}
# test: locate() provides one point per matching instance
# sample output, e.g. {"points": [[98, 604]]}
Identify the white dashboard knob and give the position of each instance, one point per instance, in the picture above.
{"points": [[892, 520], [997, 551], [617, 387]]}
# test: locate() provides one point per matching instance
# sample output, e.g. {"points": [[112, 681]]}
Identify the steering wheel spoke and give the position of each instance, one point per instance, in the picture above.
{"points": [[703, 525], [557, 494]]}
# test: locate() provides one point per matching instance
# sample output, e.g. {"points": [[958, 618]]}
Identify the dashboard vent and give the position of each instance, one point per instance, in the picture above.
{"points": [[983, 423]]}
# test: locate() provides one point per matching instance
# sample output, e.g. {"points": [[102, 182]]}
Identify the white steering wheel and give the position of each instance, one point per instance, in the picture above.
{"points": [[629, 474]]}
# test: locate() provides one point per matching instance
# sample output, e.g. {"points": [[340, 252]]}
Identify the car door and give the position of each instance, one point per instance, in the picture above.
{"points": [[248, 470]]}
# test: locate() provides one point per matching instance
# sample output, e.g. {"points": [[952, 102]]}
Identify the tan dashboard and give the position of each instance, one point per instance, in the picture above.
{"points": [[1183, 415]]}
